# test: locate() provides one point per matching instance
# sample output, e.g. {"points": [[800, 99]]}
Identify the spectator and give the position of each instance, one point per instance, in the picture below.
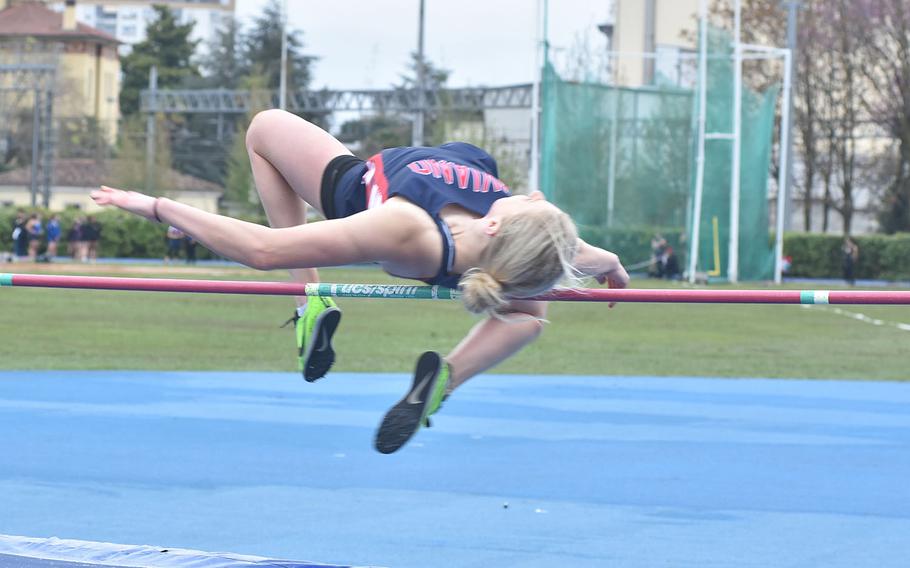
{"points": [[20, 235], [670, 264], [658, 256], [35, 230], [173, 239], [190, 247], [74, 239], [851, 256], [53, 237], [91, 235]]}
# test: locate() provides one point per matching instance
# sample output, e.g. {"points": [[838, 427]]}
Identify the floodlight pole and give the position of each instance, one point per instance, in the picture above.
{"points": [[417, 131], [784, 191], [534, 172], [702, 113], [150, 134], [735, 178], [283, 72], [785, 169]]}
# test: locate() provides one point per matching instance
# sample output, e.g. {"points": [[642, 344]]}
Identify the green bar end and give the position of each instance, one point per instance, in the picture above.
{"points": [[6, 279]]}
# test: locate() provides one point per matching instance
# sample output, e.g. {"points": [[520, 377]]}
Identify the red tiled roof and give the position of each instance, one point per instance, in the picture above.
{"points": [[31, 19], [86, 172]]}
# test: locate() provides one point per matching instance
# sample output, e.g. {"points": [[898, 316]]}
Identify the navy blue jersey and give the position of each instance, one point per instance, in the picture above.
{"points": [[432, 178]]}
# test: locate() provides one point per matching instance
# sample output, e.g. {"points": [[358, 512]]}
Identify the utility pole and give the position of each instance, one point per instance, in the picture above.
{"points": [[150, 131], [417, 131], [283, 73], [786, 192]]}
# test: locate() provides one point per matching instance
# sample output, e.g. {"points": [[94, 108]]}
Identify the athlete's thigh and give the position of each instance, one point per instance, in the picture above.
{"points": [[298, 149]]}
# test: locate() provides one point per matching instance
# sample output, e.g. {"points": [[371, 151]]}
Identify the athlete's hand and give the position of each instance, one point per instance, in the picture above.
{"points": [[132, 201], [614, 273]]}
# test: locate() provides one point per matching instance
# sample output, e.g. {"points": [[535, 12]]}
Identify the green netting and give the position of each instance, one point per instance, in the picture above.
{"points": [[639, 146]]}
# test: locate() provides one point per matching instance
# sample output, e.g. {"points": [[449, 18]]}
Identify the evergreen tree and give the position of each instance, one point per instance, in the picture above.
{"points": [[262, 50], [435, 78], [225, 63], [167, 46]]}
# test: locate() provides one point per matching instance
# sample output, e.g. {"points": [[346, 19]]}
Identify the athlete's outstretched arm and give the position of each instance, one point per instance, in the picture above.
{"points": [[369, 236], [493, 340]]}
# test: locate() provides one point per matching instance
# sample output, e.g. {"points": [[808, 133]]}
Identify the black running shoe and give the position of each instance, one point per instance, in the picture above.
{"points": [[428, 390]]}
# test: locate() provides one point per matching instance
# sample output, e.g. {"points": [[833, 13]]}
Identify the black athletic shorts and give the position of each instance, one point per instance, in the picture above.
{"points": [[342, 193]]}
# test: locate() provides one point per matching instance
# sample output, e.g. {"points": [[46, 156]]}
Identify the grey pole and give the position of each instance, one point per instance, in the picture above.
{"points": [[417, 132], [36, 137], [283, 73], [786, 192], [150, 132]]}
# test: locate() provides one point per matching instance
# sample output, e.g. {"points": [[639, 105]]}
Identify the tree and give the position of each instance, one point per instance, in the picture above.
{"points": [[168, 47], [886, 41], [828, 94], [434, 81], [262, 51], [387, 130], [373, 134], [239, 186], [129, 168], [224, 63]]}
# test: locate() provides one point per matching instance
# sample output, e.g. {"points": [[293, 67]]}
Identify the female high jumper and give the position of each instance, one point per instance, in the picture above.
{"points": [[436, 214]]}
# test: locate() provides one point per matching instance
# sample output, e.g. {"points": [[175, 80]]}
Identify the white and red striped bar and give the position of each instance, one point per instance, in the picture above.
{"points": [[880, 297]]}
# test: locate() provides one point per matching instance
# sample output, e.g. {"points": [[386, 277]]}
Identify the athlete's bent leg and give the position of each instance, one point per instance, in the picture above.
{"points": [[288, 156]]}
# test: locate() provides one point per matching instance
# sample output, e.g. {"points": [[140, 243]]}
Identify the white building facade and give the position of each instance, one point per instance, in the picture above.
{"points": [[127, 19]]}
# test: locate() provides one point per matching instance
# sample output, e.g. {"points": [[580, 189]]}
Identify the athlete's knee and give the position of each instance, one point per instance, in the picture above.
{"points": [[264, 125]]}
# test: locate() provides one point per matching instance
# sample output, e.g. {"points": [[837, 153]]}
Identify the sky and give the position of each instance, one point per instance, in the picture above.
{"points": [[366, 44]]}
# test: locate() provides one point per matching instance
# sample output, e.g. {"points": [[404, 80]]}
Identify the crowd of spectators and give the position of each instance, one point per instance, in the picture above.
{"points": [[37, 240]]}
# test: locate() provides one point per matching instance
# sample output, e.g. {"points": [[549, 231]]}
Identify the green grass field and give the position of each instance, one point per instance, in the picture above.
{"points": [[81, 329]]}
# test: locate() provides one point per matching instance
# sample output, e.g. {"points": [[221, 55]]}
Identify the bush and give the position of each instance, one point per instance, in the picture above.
{"points": [[633, 245], [884, 257]]}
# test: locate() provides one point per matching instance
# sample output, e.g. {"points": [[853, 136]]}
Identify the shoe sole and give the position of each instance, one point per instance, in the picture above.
{"points": [[403, 420], [319, 361]]}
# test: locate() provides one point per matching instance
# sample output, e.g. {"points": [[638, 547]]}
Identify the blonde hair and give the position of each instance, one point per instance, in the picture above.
{"points": [[531, 253]]}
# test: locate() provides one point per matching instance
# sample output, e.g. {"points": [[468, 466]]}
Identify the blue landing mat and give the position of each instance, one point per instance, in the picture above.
{"points": [[516, 471], [19, 552]]}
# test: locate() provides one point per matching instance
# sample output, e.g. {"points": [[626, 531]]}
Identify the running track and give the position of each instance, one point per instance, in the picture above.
{"points": [[517, 470]]}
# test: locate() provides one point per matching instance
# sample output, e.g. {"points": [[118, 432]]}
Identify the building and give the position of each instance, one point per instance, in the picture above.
{"points": [[666, 28], [88, 67], [127, 19], [74, 178]]}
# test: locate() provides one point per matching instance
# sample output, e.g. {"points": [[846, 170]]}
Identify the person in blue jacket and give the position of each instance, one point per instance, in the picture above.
{"points": [[436, 214]]}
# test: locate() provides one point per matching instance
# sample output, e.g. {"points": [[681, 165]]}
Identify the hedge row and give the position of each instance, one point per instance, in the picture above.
{"points": [[881, 257], [123, 235], [885, 257], [812, 255], [633, 245]]}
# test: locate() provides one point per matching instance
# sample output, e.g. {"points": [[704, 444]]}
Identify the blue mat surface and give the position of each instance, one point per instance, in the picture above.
{"points": [[516, 471], [20, 552]]}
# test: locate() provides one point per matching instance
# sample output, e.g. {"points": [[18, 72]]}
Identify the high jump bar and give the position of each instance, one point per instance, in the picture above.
{"points": [[399, 291]]}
